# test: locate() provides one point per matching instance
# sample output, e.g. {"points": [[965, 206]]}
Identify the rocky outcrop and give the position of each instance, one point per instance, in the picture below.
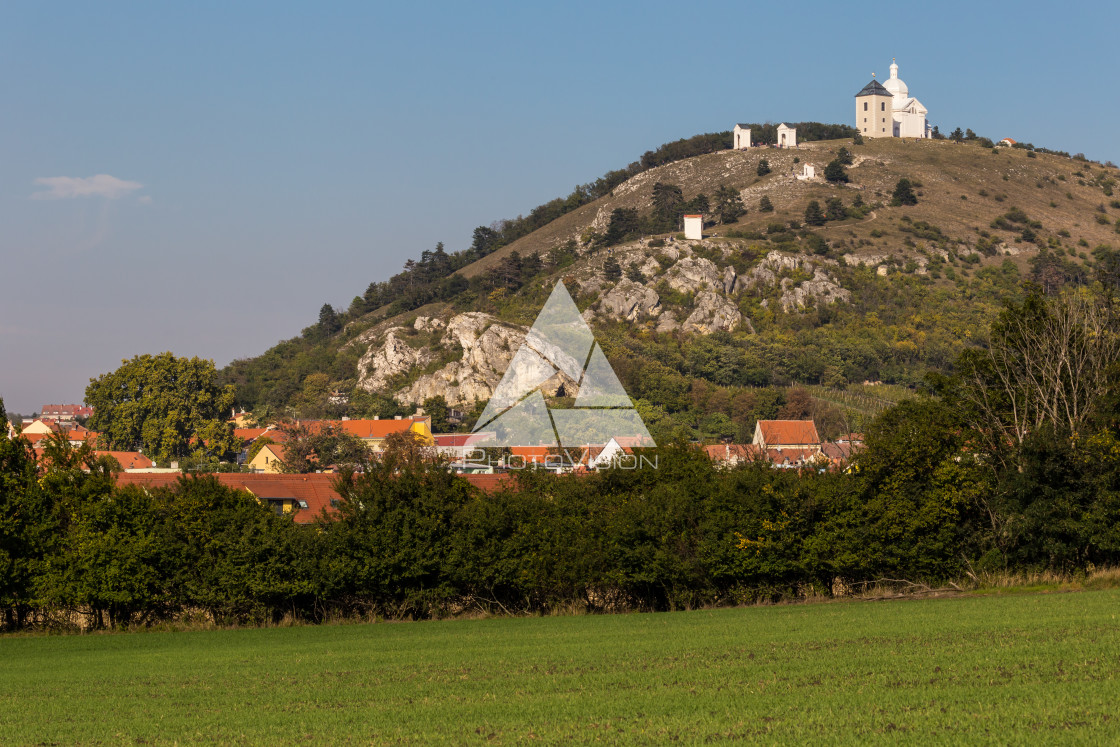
{"points": [[712, 313], [393, 358], [428, 324], [630, 301], [821, 289], [693, 274], [487, 348], [667, 322]]}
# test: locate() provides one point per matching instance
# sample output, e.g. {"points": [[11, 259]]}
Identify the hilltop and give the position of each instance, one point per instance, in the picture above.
{"points": [[708, 335]]}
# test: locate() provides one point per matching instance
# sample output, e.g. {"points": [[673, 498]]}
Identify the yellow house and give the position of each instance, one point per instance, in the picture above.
{"points": [[269, 459]]}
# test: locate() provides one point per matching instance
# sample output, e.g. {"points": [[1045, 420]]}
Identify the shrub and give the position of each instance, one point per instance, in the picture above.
{"points": [[765, 206], [903, 193], [763, 167]]}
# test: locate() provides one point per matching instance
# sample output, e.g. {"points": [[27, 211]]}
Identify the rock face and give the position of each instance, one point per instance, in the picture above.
{"points": [[821, 289], [394, 357], [712, 313], [486, 349], [631, 301], [693, 274]]}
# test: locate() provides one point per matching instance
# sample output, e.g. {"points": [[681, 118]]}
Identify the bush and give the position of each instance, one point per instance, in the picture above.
{"points": [[835, 172], [765, 206], [763, 167], [903, 194]]}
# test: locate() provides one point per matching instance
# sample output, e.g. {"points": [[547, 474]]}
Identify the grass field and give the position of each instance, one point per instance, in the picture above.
{"points": [[1012, 668]]}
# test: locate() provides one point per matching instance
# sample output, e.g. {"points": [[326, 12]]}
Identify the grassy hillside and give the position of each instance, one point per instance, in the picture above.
{"points": [[923, 281], [1007, 669]]}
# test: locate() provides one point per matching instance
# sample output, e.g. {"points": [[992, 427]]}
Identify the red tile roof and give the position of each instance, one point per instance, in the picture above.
{"points": [[789, 432], [129, 459], [531, 454], [316, 490]]}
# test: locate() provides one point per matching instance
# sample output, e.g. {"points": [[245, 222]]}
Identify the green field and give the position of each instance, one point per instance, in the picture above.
{"points": [[1002, 668]]}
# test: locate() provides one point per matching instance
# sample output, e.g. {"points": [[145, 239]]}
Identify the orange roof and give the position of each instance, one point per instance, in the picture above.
{"points": [[377, 428], [129, 459], [316, 490], [775, 432], [530, 454]]}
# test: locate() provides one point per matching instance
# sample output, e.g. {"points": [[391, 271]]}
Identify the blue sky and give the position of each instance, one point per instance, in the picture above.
{"points": [[259, 159]]}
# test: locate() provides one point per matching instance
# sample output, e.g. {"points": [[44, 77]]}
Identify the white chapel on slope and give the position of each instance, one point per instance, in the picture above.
{"points": [[888, 109]]}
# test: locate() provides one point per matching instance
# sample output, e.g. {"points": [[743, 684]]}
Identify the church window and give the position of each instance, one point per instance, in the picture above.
{"points": [[865, 106], [882, 106]]}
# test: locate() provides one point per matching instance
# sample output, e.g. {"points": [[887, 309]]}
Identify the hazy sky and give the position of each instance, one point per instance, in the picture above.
{"points": [[201, 178]]}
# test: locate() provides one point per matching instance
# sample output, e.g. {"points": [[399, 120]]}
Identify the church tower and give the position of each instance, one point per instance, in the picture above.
{"points": [[875, 110]]}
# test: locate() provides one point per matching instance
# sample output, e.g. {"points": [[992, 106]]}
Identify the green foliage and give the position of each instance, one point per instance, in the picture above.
{"points": [[729, 205], [844, 156], [834, 209], [763, 167], [612, 270], [813, 214], [164, 405], [903, 194], [835, 172], [764, 205], [308, 448]]}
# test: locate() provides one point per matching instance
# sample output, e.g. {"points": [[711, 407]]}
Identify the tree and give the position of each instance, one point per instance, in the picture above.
{"points": [[834, 209], [835, 172], [668, 204], [634, 273], [698, 204], [813, 214], [957, 135], [763, 167], [309, 448], [625, 224], [935, 133], [857, 139], [437, 409], [160, 404], [612, 271], [328, 320], [729, 205], [764, 205], [844, 156], [1048, 362], [904, 193]]}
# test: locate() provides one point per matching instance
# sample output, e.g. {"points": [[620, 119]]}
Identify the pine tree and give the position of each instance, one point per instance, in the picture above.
{"points": [[729, 206], [763, 167], [765, 206], [835, 172], [612, 270], [834, 209], [813, 214], [904, 193]]}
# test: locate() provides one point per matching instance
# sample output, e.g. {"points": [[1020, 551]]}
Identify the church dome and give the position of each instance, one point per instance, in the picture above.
{"points": [[895, 84]]}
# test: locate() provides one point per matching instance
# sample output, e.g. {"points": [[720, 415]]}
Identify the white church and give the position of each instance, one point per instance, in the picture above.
{"points": [[882, 110], [888, 109]]}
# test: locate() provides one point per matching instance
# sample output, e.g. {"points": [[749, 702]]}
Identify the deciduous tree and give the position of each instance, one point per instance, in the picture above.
{"points": [[163, 405]]}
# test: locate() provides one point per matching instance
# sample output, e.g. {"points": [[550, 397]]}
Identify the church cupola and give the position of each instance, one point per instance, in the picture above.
{"points": [[895, 85]]}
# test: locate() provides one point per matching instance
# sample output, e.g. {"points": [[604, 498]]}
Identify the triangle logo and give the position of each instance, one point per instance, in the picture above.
{"points": [[560, 341]]}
